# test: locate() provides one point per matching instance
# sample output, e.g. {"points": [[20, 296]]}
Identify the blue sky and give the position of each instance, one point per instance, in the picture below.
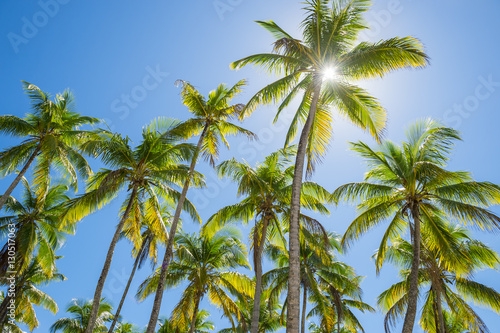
{"points": [[121, 59]]}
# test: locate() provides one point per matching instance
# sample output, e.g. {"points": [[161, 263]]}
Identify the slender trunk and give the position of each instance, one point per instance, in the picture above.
{"points": [[107, 264], [411, 311], [125, 292], [195, 313], [304, 306], [259, 248], [155, 312], [20, 176], [439, 309], [293, 311], [4, 309]]}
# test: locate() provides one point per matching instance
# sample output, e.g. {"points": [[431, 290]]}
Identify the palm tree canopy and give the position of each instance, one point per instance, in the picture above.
{"points": [[153, 167], [53, 128], [328, 45], [213, 116], [207, 264], [414, 174], [451, 270], [38, 228], [80, 313], [28, 293]]}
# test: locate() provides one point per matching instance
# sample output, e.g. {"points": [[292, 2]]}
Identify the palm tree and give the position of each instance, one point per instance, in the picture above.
{"points": [[35, 224], [147, 171], [126, 328], [205, 262], [448, 274], [267, 195], [319, 271], [202, 325], [409, 185], [51, 135], [81, 313], [27, 294], [212, 118], [270, 319], [155, 232], [336, 299], [321, 67]]}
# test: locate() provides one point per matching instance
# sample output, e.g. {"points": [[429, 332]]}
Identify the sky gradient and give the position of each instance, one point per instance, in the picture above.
{"points": [[121, 59]]}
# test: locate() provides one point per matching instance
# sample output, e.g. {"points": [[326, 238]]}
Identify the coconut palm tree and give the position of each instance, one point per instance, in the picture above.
{"points": [[27, 294], [202, 325], [270, 315], [409, 185], [51, 133], [267, 200], [80, 311], [147, 171], [448, 274], [212, 120], [336, 299], [126, 328], [35, 226], [321, 67], [208, 264], [320, 271], [154, 233]]}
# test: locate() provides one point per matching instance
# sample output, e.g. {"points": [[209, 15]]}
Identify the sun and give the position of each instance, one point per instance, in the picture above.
{"points": [[329, 73]]}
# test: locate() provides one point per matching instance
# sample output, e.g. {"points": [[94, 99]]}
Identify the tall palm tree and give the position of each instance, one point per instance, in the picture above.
{"points": [[448, 275], [409, 185], [36, 226], [267, 198], [50, 135], [81, 313], [208, 264], [27, 294], [154, 233], [321, 66], [212, 118], [147, 171]]}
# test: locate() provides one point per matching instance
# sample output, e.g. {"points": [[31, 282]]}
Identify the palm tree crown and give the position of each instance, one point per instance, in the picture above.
{"points": [[51, 134]]}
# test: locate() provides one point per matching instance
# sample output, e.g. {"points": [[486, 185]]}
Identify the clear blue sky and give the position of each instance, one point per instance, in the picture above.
{"points": [[121, 59]]}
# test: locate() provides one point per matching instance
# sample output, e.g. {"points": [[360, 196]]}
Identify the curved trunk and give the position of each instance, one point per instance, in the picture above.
{"points": [[259, 248], [304, 306], [20, 176], [107, 264], [293, 311], [155, 312], [411, 311], [195, 313], [125, 292]]}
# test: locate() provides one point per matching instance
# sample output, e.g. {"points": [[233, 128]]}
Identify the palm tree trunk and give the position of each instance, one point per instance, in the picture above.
{"points": [[107, 264], [20, 176], [304, 305], [125, 292], [293, 311], [155, 312], [411, 311], [195, 313], [259, 248], [439, 309], [4, 310]]}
